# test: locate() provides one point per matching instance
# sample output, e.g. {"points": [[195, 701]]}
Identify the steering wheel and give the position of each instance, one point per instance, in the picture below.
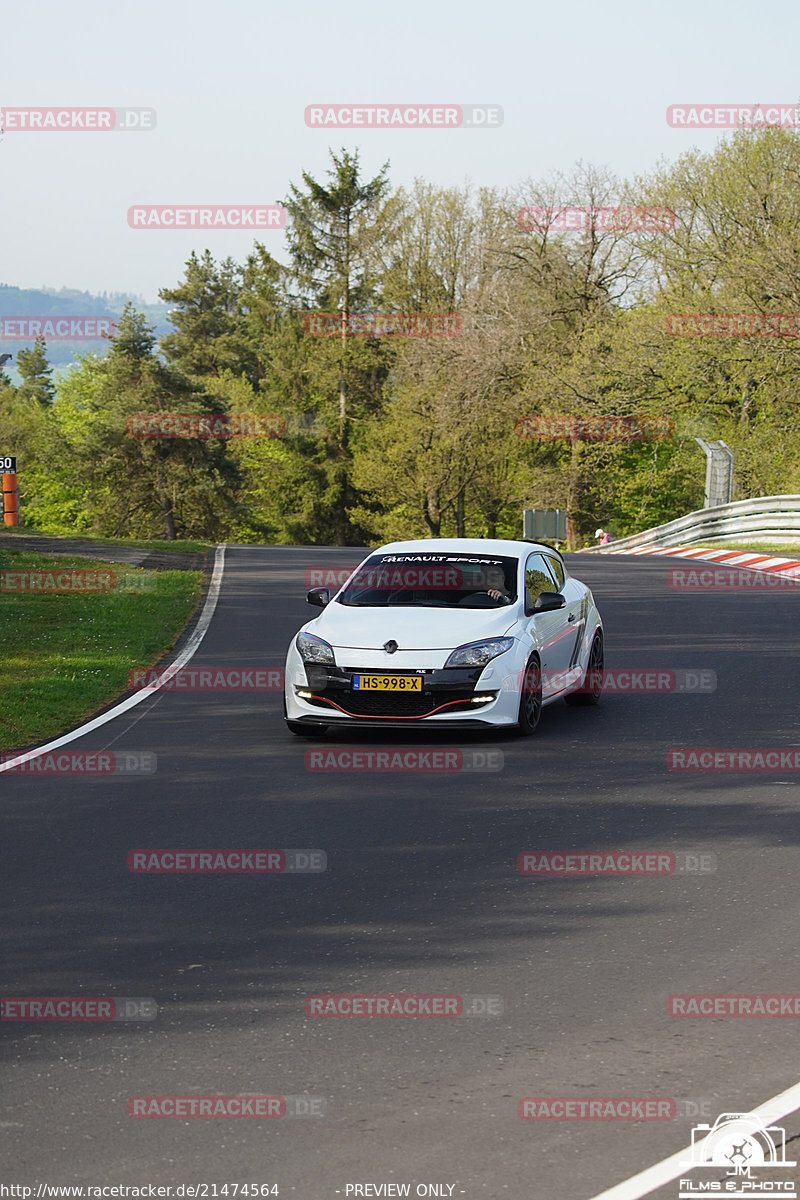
{"points": [[479, 600]]}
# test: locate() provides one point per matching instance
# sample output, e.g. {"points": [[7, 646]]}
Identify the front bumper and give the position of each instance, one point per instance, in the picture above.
{"points": [[452, 697], [443, 692]]}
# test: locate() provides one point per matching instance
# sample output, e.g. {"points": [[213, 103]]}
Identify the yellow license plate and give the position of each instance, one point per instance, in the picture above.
{"points": [[387, 683]]}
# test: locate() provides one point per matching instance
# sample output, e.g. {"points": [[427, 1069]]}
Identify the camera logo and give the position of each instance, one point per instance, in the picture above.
{"points": [[738, 1142]]}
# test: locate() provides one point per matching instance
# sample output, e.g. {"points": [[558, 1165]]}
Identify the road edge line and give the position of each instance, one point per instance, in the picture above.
{"points": [[670, 1168], [186, 654]]}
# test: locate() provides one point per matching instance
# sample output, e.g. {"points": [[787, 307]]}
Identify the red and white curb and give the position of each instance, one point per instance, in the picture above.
{"points": [[731, 558]]}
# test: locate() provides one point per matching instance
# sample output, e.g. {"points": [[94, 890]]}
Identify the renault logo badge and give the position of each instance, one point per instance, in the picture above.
{"points": [[390, 647]]}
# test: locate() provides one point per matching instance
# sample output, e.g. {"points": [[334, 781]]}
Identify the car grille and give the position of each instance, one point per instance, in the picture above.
{"points": [[391, 705]]}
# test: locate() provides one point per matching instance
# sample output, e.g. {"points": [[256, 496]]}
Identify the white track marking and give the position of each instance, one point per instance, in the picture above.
{"points": [[670, 1168], [183, 658]]}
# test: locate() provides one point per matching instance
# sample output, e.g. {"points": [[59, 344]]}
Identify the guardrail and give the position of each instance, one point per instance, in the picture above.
{"points": [[768, 518]]}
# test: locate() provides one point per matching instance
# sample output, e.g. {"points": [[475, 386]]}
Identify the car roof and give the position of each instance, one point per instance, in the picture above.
{"points": [[501, 547]]}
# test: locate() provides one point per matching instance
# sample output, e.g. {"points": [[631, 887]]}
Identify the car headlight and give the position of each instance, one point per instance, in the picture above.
{"points": [[478, 654], [314, 650]]}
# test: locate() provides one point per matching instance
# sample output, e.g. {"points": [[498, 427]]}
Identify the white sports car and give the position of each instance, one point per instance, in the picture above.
{"points": [[446, 633]]}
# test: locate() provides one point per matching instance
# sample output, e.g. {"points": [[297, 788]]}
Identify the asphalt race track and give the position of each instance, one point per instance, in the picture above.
{"points": [[421, 895]]}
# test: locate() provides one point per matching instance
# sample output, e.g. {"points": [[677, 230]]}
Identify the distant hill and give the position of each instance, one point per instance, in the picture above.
{"points": [[68, 302]]}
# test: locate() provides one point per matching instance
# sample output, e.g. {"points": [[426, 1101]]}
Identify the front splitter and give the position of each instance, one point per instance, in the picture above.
{"points": [[395, 723]]}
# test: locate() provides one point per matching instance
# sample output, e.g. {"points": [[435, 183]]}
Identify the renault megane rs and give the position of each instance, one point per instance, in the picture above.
{"points": [[446, 633]]}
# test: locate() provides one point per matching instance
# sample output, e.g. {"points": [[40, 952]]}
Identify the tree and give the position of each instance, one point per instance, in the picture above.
{"points": [[23, 421], [210, 328], [36, 373], [185, 486], [334, 240], [443, 453]]}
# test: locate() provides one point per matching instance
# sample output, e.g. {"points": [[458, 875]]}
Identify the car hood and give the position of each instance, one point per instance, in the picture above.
{"points": [[411, 628]]}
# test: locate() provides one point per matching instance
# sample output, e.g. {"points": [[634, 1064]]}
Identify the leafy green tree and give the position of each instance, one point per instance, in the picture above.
{"points": [[182, 487], [392, 437]]}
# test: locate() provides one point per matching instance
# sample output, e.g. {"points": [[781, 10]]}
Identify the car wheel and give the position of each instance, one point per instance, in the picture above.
{"points": [[530, 698], [593, 681], [300, 728]]}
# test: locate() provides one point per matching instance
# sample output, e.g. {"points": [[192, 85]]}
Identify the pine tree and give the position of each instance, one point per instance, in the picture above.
{"points": [[36, 373], [334, 240], [211, 334]]}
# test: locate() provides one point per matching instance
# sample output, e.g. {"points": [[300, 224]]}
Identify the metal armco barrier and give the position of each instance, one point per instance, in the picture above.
{"points": [[768, 518]]}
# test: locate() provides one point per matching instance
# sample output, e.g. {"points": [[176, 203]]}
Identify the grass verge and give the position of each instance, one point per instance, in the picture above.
{"points": [[67, 654]]}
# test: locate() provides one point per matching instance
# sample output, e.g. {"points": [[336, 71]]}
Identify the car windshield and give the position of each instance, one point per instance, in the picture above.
{"points": [[433, 581]]}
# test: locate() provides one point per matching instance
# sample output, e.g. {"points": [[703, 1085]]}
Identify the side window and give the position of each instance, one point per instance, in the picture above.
{"points": [[557, 568], [537, 579]]}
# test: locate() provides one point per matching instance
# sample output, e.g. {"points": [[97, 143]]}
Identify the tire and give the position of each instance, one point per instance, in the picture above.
{"points": [[300, 728], [593, 678], [530, 698]]}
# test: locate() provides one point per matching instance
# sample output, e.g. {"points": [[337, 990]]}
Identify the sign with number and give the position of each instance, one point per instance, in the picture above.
{"points": [[8, 462]]}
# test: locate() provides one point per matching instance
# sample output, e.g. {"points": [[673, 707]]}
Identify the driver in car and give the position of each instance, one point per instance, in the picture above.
{"points": [[496, 583]]}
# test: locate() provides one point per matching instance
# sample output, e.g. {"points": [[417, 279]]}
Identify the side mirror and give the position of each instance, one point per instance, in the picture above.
{"points": [[548, 602], [319, 597]]}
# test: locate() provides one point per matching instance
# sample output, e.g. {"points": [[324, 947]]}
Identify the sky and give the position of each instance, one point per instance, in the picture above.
{"points": [[230, 82]]}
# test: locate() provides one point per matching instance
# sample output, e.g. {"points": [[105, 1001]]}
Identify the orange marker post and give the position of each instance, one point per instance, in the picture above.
{"points": [[10, 498]]}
